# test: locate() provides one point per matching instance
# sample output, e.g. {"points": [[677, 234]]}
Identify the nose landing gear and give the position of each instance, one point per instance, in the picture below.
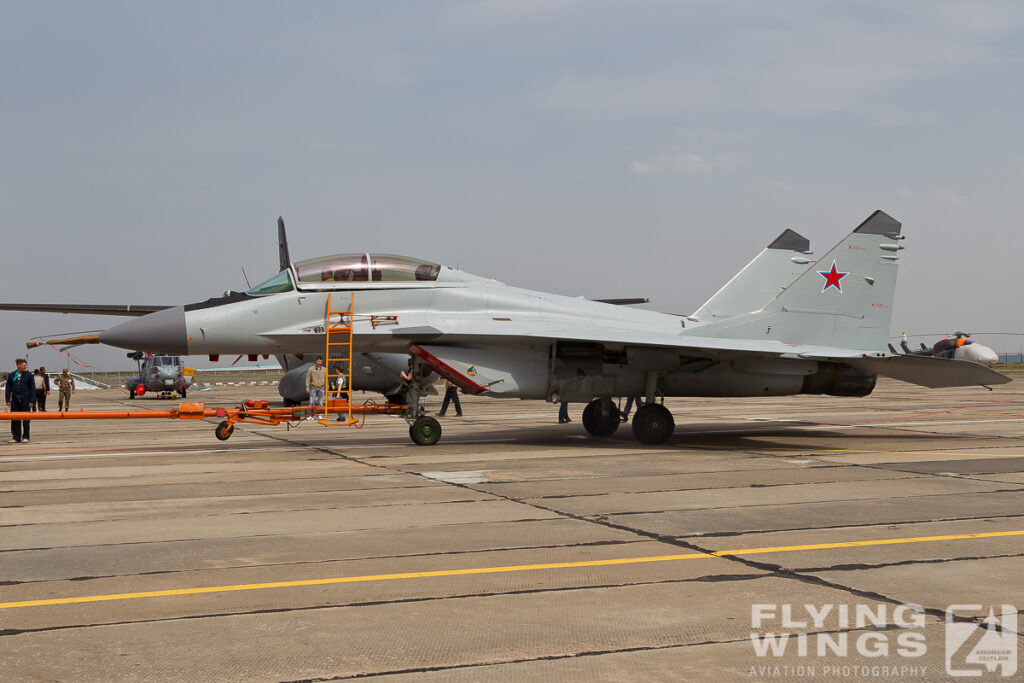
{"points": [[425, 431]]}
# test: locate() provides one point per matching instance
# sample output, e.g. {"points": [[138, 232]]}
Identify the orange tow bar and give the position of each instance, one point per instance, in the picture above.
{"points": [[258, 412]]}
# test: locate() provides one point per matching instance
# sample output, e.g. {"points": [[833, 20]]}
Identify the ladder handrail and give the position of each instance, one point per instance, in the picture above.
{"points": [[342, 354]]}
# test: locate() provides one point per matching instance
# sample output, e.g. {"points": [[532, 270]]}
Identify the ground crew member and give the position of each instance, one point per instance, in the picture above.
{"points": [[41, 405], [316, 383], [629, 406], [451, 394], [20, 394], [66, 384]]}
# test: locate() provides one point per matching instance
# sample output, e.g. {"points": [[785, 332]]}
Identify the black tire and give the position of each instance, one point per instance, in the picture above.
{"points": [[425, 431], [653, 424], [601, 417], [224, 430], [131, 393], [183, 393]]}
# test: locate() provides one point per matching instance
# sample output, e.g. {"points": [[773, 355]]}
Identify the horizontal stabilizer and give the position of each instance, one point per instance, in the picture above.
{"points": [[931, 372]]}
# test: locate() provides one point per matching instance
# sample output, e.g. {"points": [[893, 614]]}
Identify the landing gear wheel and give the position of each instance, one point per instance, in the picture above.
{"points": [[183, 393], [224, 430], [653, 424], [131, 393], [425, 431], [601, 417]]}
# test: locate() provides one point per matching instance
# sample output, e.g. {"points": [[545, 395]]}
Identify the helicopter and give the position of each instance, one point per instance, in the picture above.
{"points": [[164, 375], [958, 346]]}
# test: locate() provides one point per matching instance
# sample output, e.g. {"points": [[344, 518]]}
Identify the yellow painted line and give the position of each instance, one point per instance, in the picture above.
{"points": [[498, 570]]}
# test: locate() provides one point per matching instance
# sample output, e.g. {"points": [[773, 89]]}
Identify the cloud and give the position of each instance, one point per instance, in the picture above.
{"points": [[505, 11], [812, 60], [688, 164], [946, 197]]}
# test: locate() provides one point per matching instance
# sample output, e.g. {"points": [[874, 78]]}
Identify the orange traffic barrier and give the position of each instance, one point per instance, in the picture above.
{"points": [[258, 412]]}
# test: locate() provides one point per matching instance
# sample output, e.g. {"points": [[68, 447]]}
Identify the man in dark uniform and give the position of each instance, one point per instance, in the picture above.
{"points": [[41, 402], [451, 395], [20, 394]]}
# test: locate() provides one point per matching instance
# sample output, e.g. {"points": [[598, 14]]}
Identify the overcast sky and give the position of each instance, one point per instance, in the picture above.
{"points": [[606, 149]]}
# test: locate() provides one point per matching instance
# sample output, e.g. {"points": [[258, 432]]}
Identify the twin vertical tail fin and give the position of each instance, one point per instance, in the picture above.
{"points": [[761, 280], [843, 300]]}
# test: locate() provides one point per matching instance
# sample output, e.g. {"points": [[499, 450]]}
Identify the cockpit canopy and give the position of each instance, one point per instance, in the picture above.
{"points": [[350, 268], [365, 268]]}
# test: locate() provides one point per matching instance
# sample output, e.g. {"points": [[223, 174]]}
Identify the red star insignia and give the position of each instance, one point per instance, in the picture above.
{"points": [[832, 278]]}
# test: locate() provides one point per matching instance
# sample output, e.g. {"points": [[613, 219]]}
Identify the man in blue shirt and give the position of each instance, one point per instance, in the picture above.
{"points": [[20, 394]]}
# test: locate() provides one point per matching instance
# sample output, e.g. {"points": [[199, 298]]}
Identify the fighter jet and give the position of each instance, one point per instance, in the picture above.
{"points": [[823, 333], [160, 374]]}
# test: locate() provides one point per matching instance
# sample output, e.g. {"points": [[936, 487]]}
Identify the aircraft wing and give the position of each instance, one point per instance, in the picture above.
{"points": [[469, 330], [925, 371], [94, 309], [921, 370]]}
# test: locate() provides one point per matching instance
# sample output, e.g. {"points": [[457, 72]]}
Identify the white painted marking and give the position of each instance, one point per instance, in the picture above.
{"points": [[459, 477], [799, 462], [446, 442]]}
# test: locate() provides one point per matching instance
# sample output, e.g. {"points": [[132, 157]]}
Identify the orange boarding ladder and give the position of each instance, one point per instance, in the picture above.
{"points": [[338, 358]]}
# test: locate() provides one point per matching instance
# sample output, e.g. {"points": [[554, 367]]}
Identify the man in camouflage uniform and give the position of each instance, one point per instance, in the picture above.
{"points": [[316, 384], [66, 384]]}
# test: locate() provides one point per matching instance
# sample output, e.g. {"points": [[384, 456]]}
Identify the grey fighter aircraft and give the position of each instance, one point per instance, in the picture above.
{"points": [[823, 333]]}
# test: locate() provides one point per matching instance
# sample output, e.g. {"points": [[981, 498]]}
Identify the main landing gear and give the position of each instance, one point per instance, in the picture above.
{"points": [[652, 424], [601, 417]]}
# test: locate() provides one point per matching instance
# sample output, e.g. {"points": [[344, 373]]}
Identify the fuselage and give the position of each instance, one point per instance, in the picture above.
{"points": [[292, 320], [514, 342]]}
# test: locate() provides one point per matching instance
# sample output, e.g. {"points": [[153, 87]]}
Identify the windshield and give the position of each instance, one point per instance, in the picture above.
{"points": [[365, 268], [282, 282]]}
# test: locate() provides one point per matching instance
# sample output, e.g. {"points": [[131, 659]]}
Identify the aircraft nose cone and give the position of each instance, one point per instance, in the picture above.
{"points": [[160, 332]]}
